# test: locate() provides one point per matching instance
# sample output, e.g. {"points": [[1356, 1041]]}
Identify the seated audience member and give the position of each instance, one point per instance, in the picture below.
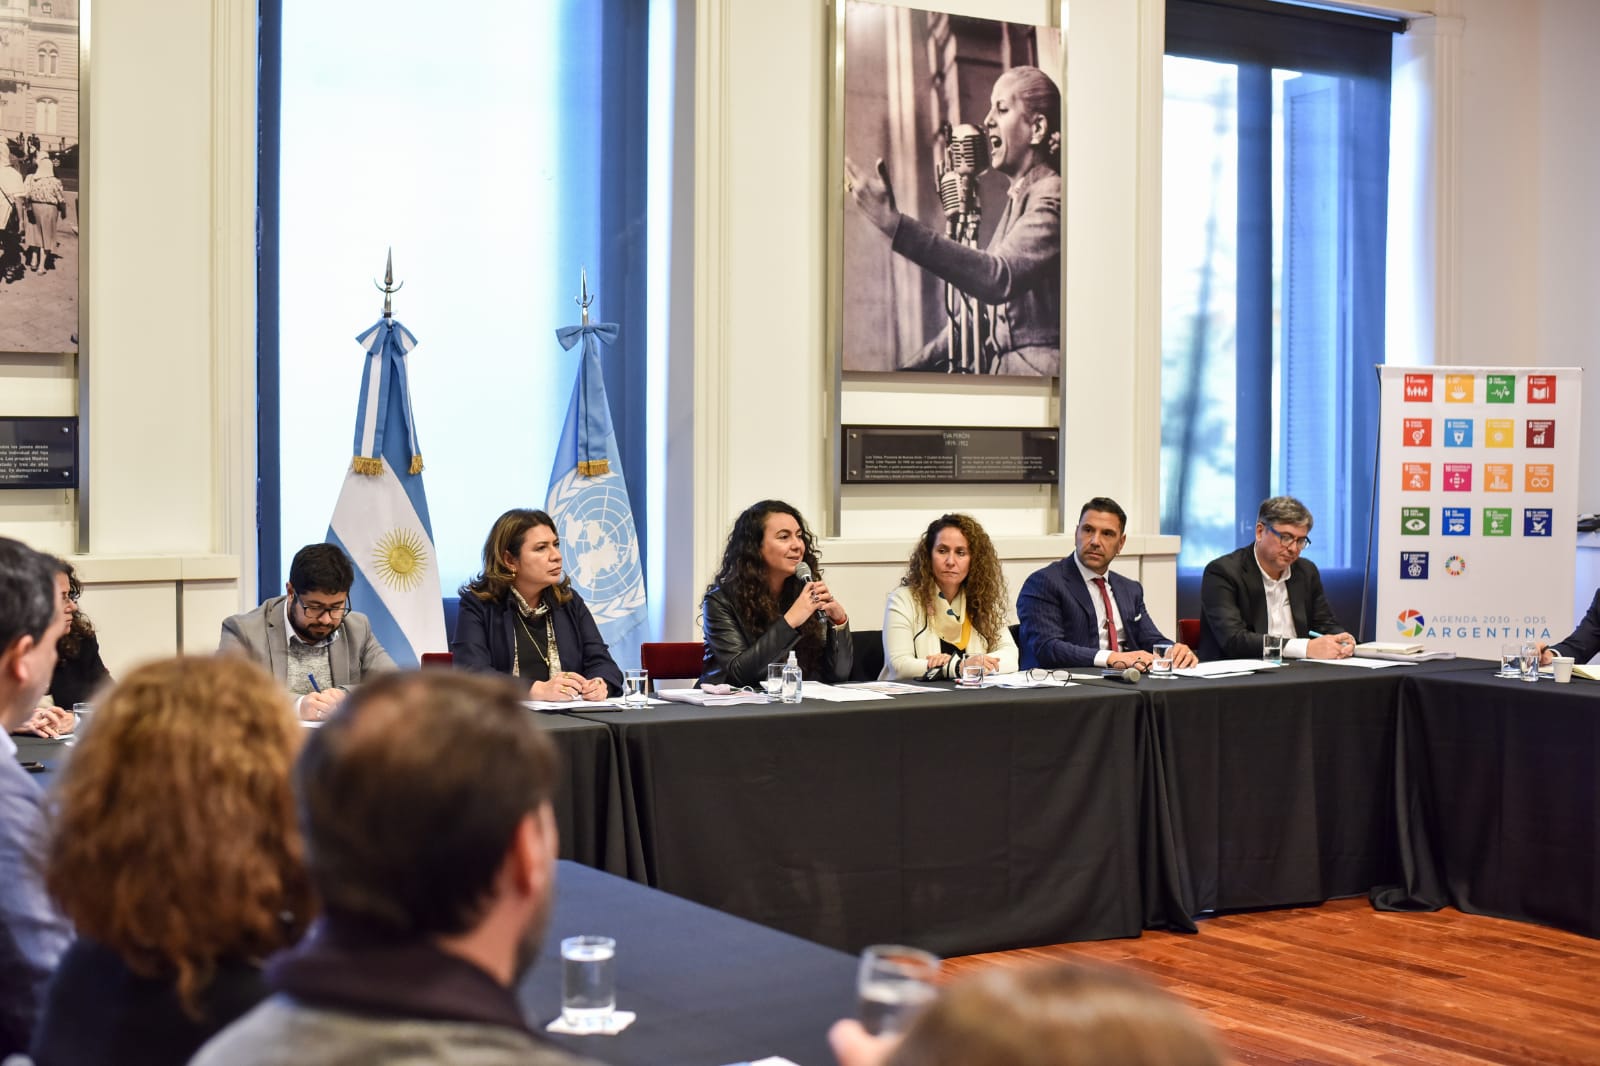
{"points": [[950, 608], [1075, 612], [757, 610], [520, 617], [78, 672], [32, 933], [309, 638], [1266, 587], [1049, 1015], [431, 844], [1583, 644], [177, 859]]}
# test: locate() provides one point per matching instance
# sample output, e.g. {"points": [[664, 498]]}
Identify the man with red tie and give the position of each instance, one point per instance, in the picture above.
{"points": [[1075, 612]]}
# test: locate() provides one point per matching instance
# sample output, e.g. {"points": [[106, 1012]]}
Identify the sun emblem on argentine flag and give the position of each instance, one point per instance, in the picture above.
{"points": [[400, 557]]}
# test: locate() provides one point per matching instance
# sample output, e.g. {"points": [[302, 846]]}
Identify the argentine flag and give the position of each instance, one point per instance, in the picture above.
{"points": [[588, 499], [381, 519]]}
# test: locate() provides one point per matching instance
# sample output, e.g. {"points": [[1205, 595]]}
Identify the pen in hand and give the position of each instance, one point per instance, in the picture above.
{"points": [[313, 679]]}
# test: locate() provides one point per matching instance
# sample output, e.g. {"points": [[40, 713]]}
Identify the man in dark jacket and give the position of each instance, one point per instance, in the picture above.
{"points": [[1266, 587]]}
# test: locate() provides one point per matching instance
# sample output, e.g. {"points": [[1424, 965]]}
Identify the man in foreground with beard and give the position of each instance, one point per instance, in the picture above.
{"points": [[431, 843]]}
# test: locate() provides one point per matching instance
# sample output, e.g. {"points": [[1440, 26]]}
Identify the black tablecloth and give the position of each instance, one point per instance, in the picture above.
{"points": [[957, 821], [1498, 798], [708, 988], [588, 802], [589, 805]]}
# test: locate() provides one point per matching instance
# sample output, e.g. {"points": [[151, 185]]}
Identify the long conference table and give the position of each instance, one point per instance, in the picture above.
{"points": [[980, 820]]}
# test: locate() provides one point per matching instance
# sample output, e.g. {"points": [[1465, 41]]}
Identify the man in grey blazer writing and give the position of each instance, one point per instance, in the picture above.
{"points": [[309, 638]]}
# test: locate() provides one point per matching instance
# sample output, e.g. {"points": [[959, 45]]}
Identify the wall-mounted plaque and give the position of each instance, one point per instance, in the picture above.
{"points": [[38, 453], [914, 454]]}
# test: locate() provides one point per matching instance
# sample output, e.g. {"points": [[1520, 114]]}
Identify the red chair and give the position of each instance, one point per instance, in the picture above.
{"points": [[674, 659], [437, 658], [1189, 632]]}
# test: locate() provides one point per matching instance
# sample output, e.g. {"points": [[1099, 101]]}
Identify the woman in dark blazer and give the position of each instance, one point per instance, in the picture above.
{"points": [[520, 616], [758, 609]]}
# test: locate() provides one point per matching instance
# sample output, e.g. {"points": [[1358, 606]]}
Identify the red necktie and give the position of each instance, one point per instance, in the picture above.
{"points": [[1111, 619]]}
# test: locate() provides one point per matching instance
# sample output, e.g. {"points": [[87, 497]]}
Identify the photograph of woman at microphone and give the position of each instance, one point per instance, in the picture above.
{"points": [[994, 309], [769, 599]]}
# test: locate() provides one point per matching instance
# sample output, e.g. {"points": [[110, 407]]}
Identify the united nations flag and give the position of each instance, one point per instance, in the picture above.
{"points": [[381, 519], [588, 499]]}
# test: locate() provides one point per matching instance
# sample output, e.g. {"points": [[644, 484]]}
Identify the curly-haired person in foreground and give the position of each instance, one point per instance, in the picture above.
{"points": [[1051, 1015], [176, 856]]}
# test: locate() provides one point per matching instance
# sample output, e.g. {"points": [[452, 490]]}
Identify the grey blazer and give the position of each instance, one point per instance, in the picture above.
{"points": [[263, 635]]}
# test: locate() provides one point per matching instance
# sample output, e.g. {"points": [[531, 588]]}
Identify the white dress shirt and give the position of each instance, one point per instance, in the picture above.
{"points": [[1103, 656], [1280, 619]]}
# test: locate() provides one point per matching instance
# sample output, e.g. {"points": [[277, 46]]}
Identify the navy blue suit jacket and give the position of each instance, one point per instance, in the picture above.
{"points": [[1059, 626], [1584, 643], [486, 637]]}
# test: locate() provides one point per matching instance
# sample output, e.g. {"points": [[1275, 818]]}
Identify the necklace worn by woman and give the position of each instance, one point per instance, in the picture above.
{"points": [[552, 661]]}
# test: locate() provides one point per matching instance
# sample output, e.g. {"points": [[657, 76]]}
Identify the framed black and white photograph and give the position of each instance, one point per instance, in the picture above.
{"points": [[40, 176], [952, 231]]}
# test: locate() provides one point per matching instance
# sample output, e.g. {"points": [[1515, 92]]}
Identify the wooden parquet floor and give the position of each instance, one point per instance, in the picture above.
{"points": [[1342, 983]]}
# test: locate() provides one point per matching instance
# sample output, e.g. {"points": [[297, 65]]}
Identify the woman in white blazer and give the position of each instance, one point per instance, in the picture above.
{"points": [[950, 607]]}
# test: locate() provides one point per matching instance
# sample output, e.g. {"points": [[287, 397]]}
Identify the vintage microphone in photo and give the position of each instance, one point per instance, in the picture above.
{"points": [[967, 327], [803, 572]]}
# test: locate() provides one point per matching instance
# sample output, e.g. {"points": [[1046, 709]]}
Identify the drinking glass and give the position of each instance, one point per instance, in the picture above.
{"points": [[636, 688], [893, 984], [972, 675], [588, 981], [773, 685], [1528, 661], [1272, 649], [1162, 664], [1510, 653]]}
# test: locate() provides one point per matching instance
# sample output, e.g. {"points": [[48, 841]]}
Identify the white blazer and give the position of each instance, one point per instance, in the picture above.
{"points": [[908, 640]]}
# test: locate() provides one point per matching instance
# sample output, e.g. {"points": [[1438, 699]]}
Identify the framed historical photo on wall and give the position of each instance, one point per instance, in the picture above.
{"points": [[41, 176], [951, 235]]}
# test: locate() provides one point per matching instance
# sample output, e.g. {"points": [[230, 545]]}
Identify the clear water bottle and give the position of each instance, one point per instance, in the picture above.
{"points": [[791, 680]]}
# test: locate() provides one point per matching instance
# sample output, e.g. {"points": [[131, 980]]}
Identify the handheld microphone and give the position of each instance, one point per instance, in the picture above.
{"points": [[803, 572], [1131, 675]]}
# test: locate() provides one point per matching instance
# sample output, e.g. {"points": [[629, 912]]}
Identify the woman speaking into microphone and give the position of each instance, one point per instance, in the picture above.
{"points": [[768, 599], [1018, 275]]}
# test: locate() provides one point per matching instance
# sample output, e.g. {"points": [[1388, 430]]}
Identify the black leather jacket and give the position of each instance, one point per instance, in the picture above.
{"points": [[734, 658]]}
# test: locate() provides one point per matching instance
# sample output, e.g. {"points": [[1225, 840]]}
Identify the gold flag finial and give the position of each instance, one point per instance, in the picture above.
{"points": [[388, 287]]}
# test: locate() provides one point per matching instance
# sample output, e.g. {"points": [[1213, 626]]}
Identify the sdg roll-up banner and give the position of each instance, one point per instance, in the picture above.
{"points": [[1477, 509]]}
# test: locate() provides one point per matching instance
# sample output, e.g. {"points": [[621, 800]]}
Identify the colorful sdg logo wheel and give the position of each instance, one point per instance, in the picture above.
{"points": [[1411, 623]]}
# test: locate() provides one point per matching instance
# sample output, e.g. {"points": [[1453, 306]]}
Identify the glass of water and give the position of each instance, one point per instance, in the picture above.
{"points": [[773, 685], [1528, 661], [1272, 649], [588, 981], [636, 688], [1161, 665], [972, 675], [894, 983], [1511, 659]]}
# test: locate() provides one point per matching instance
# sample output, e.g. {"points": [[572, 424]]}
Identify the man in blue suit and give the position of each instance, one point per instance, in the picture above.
{"points": [[1584, 643], [1075, 612]]}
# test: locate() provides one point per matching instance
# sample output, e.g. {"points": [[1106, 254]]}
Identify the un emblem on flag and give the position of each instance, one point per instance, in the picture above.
{"points": [[598, 543]]}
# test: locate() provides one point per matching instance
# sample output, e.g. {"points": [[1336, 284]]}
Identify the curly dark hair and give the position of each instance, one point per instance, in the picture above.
{"points": [[743, 577], [80, 628], [505, 538], [176, 844], [985, 585]]}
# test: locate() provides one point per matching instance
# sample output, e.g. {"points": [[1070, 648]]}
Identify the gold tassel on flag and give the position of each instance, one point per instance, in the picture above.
{"points": [[362, 465], [416, 464], [594, 467]]}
